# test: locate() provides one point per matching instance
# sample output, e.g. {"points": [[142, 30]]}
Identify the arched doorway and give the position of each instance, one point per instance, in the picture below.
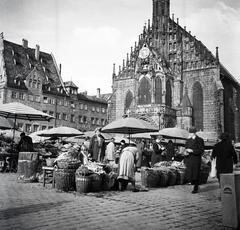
{"points": [[144, 92], [198, 106], [158, 90]]}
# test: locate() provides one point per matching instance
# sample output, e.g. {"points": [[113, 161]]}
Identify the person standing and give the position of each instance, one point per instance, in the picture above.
{"points": [[25, 144], [97, 146], [225, 155], [140, 147], [110, 151], [157, 151], [194, 149], [119, 151], [170, 151]]}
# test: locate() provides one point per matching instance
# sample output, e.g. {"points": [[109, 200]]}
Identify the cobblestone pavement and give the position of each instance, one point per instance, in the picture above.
{"points": [[30, 206]]}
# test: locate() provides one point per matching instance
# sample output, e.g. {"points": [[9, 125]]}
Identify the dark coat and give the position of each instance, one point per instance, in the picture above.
{"points": [[225, 157], [96, 148], [25, 144], [170, 151], [156, 154], [193, 161]]}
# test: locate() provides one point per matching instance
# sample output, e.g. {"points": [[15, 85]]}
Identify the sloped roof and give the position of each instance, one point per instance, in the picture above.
{"points": [[84, 97], [70, 84], [20, 61]]}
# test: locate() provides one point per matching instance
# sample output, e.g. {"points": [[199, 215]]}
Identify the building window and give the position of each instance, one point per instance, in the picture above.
{"points": [[44, 111], [84, 120], [93, 109], [45, 100], [37, 98], [30, 97], [98, 109], [72, 118], [14, 94], [81, 106], [72, 105], [102, 122], [58, 116], [21, 96], [44, 127], [35, 128], [85, 107], [51, 113], [92, 121], [20, 126], [65, 103], [64, 116], [28, 128], [50, 127]]}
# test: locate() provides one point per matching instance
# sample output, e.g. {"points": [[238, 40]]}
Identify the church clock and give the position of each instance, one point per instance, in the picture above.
{"points": [[144, 52]]}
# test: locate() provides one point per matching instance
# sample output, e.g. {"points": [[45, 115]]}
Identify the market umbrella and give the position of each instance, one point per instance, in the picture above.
{"points": [[36, 138], [106, 136], [129, 125], [61, 131], [18, 110], [173, 133], [5, 124]]}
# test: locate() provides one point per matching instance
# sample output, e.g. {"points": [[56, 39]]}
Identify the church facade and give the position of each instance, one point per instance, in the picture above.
{"points": [[171, 79]]}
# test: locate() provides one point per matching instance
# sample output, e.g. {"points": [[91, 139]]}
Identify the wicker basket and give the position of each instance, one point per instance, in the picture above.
{"points": [[65, 179], [150, 178], [83, 183], [181, 177], [96, 182], [62, 164], [172, 176]]}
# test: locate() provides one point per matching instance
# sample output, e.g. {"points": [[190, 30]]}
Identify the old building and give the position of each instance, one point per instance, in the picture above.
{"points": [[171, 79], [32, 77]]}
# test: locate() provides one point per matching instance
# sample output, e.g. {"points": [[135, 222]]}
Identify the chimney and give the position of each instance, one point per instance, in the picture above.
{"points": [[177, 20], [98, 93], [37, 52], [173, 17], [217, 55], [25, 43], [84, 93]]}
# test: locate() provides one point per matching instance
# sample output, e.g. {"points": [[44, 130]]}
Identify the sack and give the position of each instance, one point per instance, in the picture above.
{"points": [[213, 172]]}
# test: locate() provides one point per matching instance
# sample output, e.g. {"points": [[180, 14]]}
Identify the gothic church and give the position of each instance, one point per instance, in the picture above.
{"points": [[171, 79]]}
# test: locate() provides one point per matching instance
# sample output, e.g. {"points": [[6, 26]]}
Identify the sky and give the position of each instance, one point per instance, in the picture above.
{"points": [[88, 36]]}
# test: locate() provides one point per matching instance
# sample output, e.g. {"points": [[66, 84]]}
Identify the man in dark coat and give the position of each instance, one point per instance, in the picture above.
{"points": [[225, 155], [157, 152], [97, 146], [25, 144], [194, 149]]}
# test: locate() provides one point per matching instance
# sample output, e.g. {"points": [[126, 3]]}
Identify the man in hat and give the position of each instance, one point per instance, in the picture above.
{"points": [[194, 149], [25, 144]]}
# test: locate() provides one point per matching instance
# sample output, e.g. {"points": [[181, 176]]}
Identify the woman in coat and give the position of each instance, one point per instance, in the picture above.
{"points": [[127, 162], [194, 149], [225, 155], [97, 146], [157, 152]]}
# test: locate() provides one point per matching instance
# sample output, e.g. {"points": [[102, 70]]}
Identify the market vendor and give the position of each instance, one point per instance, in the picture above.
{"points": [[97, 146], [158, 149], [127, 162], [25, 144]]}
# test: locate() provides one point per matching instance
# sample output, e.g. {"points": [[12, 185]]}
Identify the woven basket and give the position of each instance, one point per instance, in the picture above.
{"points": [[96, 182], [65, 179], [150, 178], [181, 177], [172, 177], [83, 183], [68, 164]]}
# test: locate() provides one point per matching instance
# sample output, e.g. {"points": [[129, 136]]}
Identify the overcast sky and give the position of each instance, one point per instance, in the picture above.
{"points": [[88, 36]]}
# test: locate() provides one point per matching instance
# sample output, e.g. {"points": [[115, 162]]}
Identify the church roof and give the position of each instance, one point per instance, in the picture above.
{"points": [[21, 61], [84, 97]]}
